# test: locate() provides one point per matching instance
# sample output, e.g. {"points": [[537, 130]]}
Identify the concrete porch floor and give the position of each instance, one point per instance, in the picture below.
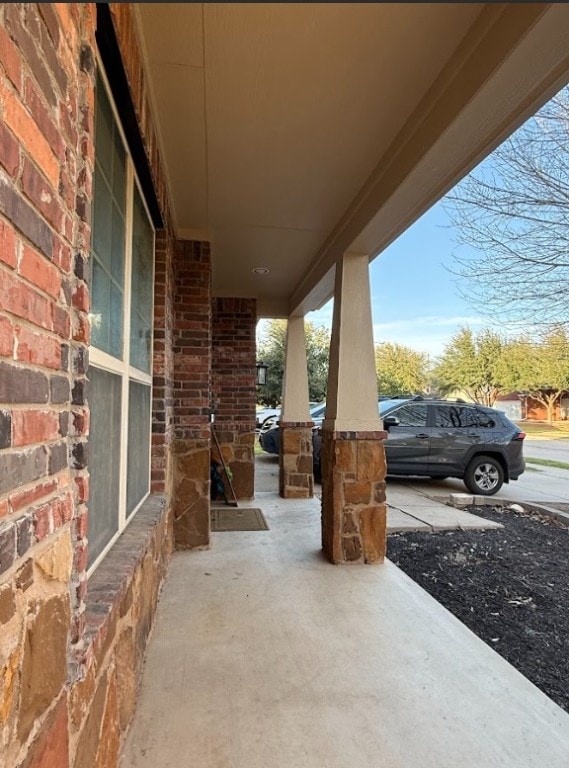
{"points": [[264, 655]]}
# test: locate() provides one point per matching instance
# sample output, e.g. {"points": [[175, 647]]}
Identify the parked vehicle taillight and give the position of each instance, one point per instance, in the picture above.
{"points": [[520, 436]]}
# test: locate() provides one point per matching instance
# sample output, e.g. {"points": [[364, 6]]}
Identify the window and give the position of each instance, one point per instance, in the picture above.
{"points": [[453, 416], [121, 336], [411, 415]]}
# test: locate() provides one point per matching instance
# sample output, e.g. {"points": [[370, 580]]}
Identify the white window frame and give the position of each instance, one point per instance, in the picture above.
{"points": [[102, 360]]}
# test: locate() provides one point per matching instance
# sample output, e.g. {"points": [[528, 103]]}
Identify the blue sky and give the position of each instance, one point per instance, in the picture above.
{"points": [[415, 300]]}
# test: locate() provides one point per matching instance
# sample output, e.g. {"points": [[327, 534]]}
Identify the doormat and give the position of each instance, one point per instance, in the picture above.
{"points": [[247, 519]]}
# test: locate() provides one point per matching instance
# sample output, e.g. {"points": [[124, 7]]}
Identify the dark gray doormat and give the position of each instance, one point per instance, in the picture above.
{"points": [[232, 519]]}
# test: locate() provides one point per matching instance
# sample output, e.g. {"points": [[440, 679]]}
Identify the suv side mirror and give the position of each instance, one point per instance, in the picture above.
{"points": [[390, 421]]}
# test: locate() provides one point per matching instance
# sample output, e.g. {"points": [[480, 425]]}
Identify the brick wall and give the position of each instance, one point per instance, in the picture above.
{"points": [[191, 394], [163, 359], [234, 387], [46, 157], [65, 642]]}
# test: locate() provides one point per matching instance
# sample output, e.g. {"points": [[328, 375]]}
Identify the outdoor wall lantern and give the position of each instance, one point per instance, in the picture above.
{"points": [[262, 369]]}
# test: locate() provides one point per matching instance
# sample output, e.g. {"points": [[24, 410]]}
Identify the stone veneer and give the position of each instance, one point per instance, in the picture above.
{"points": [[296, 478], [353, 497]]}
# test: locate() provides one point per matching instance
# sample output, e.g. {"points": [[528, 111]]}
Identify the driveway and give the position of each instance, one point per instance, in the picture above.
{"points": [[538, 484]]}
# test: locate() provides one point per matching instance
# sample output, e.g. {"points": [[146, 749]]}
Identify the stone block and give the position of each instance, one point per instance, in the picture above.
{"points": [[291, 439], [25, 576], [357, 493], [7, 603], [371, 460], [296, 493], [9, 675], [51, 748], [194, 464], [373, 533], [305, 465], [88, 744], [349, 524], [44, 666], [56, 561], [191, 529], [109, 743], [352, 549], [344, 456], [126, 666], [81, 697]]}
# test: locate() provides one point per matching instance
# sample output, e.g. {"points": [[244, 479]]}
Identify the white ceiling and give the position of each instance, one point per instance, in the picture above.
{"points": [[274, 117]]}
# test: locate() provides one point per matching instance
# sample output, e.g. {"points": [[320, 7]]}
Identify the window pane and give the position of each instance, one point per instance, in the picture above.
{"points": [[108, 230], [141, 306], [104, 458], [138, 444], [412, 415]]}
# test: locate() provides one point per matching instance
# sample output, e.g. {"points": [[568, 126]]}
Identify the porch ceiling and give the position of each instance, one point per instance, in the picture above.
{"points": [[294, 131]]}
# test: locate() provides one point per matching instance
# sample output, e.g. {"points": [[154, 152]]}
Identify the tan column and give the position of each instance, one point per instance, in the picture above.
{"points": [[295, 459], [353, 458]]}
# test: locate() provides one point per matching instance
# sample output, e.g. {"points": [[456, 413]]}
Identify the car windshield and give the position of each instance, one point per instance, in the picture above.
{"points": [[387, 405]]}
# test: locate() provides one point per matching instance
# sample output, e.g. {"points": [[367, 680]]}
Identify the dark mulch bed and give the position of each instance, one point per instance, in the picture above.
{"points": [[510, 587]]}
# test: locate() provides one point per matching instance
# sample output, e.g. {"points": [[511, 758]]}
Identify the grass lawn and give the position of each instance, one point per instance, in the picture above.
{"points": [[541, 430]]}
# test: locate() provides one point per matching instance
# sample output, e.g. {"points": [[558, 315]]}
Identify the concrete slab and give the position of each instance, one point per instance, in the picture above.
{"points": [[263, 654], [443, 518], [399, 522]]}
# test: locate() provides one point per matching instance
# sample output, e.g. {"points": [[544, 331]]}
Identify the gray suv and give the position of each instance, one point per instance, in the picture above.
{"points": [[443, 438]]}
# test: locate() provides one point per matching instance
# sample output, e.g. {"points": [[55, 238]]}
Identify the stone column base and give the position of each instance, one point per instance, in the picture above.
{"points": [[296, 478], [353, 497], [189, 491]]}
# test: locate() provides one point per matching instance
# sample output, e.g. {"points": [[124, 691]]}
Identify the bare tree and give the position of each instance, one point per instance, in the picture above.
{"points": [[513, 214]]}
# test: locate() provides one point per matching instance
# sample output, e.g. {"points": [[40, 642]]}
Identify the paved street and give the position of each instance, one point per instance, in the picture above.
{"points": [[558, 450]]}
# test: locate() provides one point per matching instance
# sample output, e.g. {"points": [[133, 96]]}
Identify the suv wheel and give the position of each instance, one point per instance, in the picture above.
{"points": [[484, 475]]}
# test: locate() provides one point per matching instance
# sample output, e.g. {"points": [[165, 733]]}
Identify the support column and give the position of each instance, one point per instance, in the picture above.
{"points": [[296, 480], [353, 457], [189, 471]]}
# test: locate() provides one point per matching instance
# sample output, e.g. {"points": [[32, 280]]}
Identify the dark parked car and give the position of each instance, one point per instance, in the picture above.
{"points": [[442, 438]]}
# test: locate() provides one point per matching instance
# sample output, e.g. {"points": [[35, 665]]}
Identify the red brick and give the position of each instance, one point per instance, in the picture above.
{"points": [[20, 299], [37, 349], [10, 59], [81, 423], [62, 256], [83, 330], [34, 427], [62, 511], [61, 321], [24, 127], [23, 499], [82, 484], [43, 120], [39, 271], [4, 508], [6, 337], [9, 151], [81, 298], [42, 522], [80, 557], [39, 191], [8, 253]]}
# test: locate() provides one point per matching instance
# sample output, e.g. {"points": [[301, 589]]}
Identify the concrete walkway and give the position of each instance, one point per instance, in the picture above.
{"points": [[264, 655]]}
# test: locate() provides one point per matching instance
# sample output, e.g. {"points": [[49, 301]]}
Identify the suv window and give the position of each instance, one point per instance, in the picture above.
{"points": [[411, 415], [456, 416]]}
